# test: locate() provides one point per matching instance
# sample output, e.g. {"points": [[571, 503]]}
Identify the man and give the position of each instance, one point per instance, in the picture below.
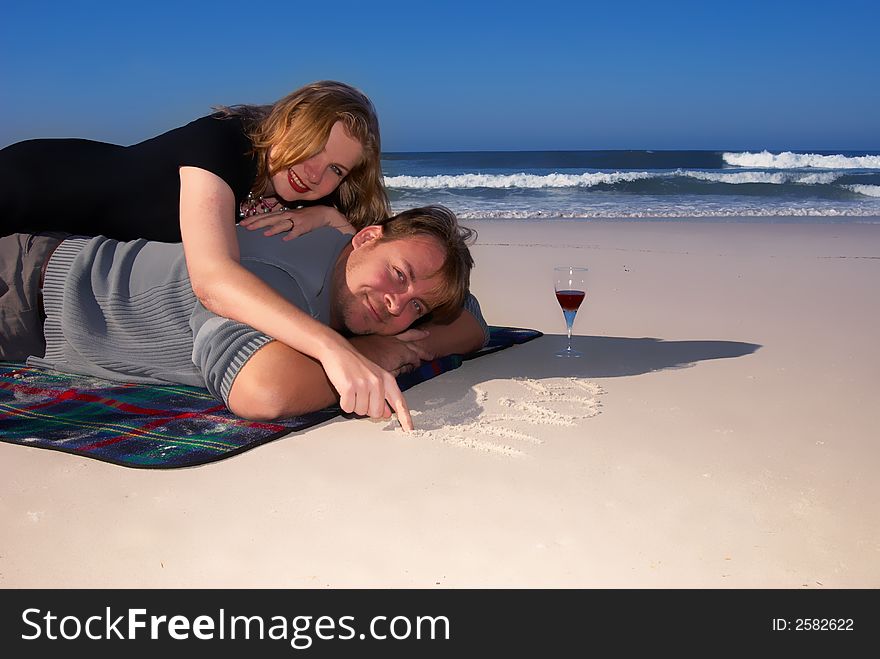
{"points": [[126, 311]]}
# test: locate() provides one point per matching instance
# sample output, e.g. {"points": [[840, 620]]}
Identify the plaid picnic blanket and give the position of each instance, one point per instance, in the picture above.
{"points": [[159, 426]]}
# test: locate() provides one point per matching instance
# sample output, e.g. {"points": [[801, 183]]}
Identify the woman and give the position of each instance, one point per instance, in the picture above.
{"points": [[321, 142]]}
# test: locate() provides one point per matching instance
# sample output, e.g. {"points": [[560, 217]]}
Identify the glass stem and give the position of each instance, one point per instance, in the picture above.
{"points": [[569, 323]]}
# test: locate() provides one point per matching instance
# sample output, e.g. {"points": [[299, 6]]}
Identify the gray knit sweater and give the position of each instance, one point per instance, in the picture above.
{"points": [[126, 311]]}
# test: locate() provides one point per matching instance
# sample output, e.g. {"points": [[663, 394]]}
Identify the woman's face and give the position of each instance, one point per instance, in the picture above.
{"points": [[321, 174]]}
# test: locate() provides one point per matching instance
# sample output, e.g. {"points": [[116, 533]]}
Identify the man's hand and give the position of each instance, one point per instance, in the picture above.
{"points": [[397, 354]]}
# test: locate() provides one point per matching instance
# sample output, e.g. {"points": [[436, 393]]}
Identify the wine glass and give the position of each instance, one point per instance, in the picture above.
{"points": [[571, 289]]}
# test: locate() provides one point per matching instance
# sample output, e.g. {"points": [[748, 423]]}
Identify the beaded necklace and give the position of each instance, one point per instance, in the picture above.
{"points": [[256, 205]]}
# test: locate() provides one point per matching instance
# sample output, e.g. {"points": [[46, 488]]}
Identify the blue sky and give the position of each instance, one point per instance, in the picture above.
{"points": [[458, 75]]}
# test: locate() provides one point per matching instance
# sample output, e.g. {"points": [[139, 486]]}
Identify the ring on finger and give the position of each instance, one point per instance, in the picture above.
{"points": [[291, 224]]}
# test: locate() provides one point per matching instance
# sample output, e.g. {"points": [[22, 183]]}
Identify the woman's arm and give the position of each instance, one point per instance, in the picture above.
{"points": [[228, 289]]}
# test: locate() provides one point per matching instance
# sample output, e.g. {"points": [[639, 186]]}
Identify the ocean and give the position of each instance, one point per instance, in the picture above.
{"points": [[783, 186]]}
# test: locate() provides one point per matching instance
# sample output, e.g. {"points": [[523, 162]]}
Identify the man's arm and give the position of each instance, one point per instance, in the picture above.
{"points": [[278, 382]]}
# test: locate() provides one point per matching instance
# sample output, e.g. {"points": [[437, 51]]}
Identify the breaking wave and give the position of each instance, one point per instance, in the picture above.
{"points": [[790, 160], [867, 190], [588, 180]]}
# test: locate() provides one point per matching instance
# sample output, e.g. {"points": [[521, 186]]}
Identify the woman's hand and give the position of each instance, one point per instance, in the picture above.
{"points": [[363, 386], [398, 354], [295, 223]]}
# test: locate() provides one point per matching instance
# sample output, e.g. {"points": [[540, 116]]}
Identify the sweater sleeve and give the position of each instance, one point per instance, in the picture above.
{"points": [[472, 305], [221, 347]]}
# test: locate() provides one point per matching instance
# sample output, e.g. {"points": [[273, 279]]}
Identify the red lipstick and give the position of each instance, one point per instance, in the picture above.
{"points": [[296, 182]]}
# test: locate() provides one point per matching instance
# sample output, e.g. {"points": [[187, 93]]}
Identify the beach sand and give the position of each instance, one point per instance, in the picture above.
{"points": [[720, 432]]}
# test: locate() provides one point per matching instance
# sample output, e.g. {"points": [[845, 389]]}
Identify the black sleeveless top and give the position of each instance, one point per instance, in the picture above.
{"points": [[123, 192]]}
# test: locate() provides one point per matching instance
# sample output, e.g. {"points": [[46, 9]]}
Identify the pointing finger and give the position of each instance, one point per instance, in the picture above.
{"points": [[398, 404]]}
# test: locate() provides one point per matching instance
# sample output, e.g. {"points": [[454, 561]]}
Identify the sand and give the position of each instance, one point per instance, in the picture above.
{"points": [[720, 432]]}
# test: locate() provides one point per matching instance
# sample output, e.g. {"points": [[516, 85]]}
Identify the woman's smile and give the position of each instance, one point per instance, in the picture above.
{"points": [[296, 182]]}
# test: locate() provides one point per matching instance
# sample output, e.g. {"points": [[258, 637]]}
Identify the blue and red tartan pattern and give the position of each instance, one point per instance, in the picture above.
{"points": [[159, 426]]}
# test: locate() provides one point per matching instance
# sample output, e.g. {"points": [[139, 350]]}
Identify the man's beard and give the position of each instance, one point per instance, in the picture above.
{"points": [[344, 307]]}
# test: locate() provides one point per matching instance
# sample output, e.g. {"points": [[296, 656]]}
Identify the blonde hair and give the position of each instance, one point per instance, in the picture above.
{"points": [[298, 126]]}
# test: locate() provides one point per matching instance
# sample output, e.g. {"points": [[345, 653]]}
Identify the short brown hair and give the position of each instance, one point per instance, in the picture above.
{"points": [[441, 224], [298, 126]]}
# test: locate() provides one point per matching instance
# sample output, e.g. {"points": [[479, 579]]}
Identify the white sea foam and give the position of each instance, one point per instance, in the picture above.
{"points": [[589, 180], [789, 160], [521, 180], [867, 190], [819, 178], [664, 213], [774, 178], [738, 178]]}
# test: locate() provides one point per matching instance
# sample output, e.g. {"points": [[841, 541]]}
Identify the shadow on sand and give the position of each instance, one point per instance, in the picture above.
{"points": [[607, 356], [460, 414]]}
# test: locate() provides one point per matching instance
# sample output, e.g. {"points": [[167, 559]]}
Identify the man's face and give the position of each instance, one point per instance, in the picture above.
{"points": [[387, 285]]}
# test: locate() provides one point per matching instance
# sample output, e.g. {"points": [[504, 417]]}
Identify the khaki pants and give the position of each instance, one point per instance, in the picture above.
{"points": [[22, 256]]}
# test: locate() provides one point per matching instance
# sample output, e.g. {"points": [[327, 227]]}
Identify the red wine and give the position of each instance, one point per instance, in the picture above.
{"points": [[570, 300]]}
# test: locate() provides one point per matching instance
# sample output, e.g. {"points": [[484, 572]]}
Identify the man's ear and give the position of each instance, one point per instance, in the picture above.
{"points": [[367, 235]]}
